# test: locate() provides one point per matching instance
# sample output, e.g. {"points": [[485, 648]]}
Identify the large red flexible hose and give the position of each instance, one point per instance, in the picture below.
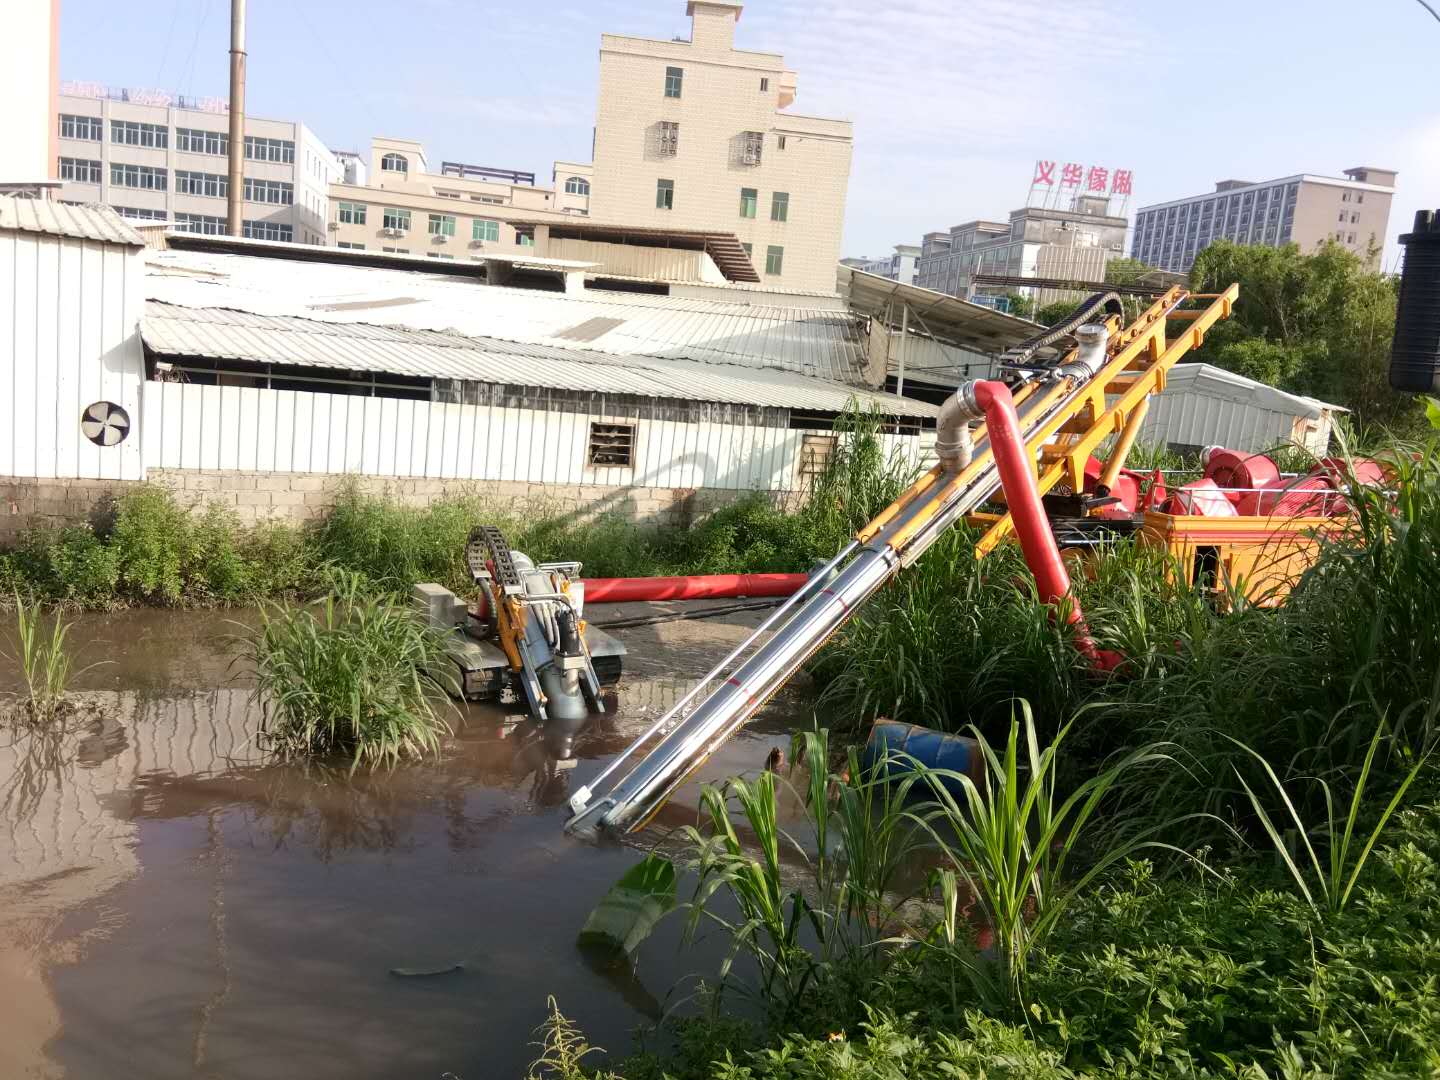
{"points": [[1032, 526], [697, 587]]}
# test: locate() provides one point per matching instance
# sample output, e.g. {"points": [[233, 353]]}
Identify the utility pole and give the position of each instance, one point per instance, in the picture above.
{"points": [[235, 203]]}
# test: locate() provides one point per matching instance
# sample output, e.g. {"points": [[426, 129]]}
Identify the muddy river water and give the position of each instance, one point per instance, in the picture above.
{"points": [[173, 905]]}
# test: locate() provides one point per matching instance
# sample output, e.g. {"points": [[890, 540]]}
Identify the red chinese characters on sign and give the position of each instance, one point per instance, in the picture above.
{"points": [[1098, 179], [1121, 183], [1071, 174], [1044, 173]]}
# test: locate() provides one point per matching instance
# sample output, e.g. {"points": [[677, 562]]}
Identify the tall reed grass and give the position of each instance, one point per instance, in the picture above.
{"points": [[356, 678], [43, 658]]}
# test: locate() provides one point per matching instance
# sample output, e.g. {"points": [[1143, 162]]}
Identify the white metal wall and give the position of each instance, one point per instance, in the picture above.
{"points": [[69, 336], [242, 428], [1196, 419]]}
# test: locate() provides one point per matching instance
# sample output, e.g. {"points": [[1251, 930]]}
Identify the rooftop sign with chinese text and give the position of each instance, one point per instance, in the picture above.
{"points": [[1053, 180]]}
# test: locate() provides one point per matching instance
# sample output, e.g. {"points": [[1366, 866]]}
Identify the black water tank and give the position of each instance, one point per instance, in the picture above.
{"points": [[1415, 354]]}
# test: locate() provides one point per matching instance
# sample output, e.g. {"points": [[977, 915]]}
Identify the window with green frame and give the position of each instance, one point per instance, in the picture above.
{"points": [[396, 219], [774, 259], [442, 224], [665, 194], [749, 198], [780, 206], [674, 76], [352, 213], [481, 229]]}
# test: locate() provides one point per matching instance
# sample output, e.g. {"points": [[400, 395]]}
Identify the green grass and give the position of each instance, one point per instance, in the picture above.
{"points": [[44, 660], [351, 679]]}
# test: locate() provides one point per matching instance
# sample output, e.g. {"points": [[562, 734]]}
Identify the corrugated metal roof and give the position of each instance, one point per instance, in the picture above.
{"points": [[1217, 382], [216, 333], [745, 332], [949, 318], [66, 219]]}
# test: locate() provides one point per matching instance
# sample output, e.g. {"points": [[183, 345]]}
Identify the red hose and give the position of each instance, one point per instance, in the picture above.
{"points": [[1032, 526], [698, 587]]}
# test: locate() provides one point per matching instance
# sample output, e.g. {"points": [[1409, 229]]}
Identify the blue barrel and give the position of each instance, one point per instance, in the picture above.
{"points": [[957, 753]]}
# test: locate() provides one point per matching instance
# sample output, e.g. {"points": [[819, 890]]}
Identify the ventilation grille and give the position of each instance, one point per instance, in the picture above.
{"points": [[612, 445]]}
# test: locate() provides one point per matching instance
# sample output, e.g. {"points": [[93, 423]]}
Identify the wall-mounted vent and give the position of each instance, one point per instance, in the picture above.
{"points": [[612, 445]]}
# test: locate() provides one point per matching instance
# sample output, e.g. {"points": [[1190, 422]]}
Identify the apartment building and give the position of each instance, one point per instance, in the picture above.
{"points": [[408, 208], [897, 267], [1304, 209], [695, 135], [1036, 242], [156, 157]]}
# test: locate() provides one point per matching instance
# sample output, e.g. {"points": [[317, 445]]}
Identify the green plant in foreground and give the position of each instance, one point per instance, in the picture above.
{"points": [[1336, 880], [356, 678], [44, 661], [1011, 842], [563, 1049]]}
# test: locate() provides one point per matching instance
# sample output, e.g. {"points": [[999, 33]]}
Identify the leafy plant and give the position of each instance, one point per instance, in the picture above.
{"points": [[563, 1049], [1335, 881], [1012, 842], [362, 677]]}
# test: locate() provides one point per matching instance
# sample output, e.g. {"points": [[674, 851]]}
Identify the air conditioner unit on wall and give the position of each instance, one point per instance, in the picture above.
{"points": [[332, 226]]}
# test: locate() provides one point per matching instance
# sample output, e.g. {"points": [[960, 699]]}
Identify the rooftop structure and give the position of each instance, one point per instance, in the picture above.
{"points": [[1303, 209]]}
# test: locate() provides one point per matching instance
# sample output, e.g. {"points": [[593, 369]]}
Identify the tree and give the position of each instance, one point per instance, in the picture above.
{"points": [[1125, 271], [1051, 314], [1319, 325], [1022, 307]]}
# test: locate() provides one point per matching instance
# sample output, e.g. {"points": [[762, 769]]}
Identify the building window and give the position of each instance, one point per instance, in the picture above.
{"points": [[774, 260], [352, 213], [577, 185], [447, 194], [1350, 239], [1359, 196], [481, 229], [262, 149], [525, 235], [197, 141], [764, 84], [276, 192], [487, 199], [1354, 219], [749, 249], [438, 255], [442, 225], [1345, 196], [395, 251], [780, 206], [141, 214], [268, 230], [80, 170], [138, 176], [349, 246], [396, 219], [90, 128], [1342, 216], [748, 198], [665, 194], [752, 147], [669, 138], [205, 224], [611, 445], [780, 142], [394, 163], [212, 185], [673, 77], [130, 133]]}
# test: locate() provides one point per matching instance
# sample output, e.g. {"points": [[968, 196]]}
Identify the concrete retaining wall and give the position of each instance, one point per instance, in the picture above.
{"points": [[298, 497]]}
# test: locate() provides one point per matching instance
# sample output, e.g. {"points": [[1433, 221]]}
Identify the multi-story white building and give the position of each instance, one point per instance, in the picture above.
{"points": [[898, 267], [1303, 209], [1037, 242], [695, 135], [162, 158]]}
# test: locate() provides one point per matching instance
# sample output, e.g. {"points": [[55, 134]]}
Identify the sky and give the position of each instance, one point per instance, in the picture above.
{"points": [[953, 101]]}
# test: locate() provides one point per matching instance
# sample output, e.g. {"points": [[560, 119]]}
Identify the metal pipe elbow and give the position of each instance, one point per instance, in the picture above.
{"points": [[952, 428]]}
